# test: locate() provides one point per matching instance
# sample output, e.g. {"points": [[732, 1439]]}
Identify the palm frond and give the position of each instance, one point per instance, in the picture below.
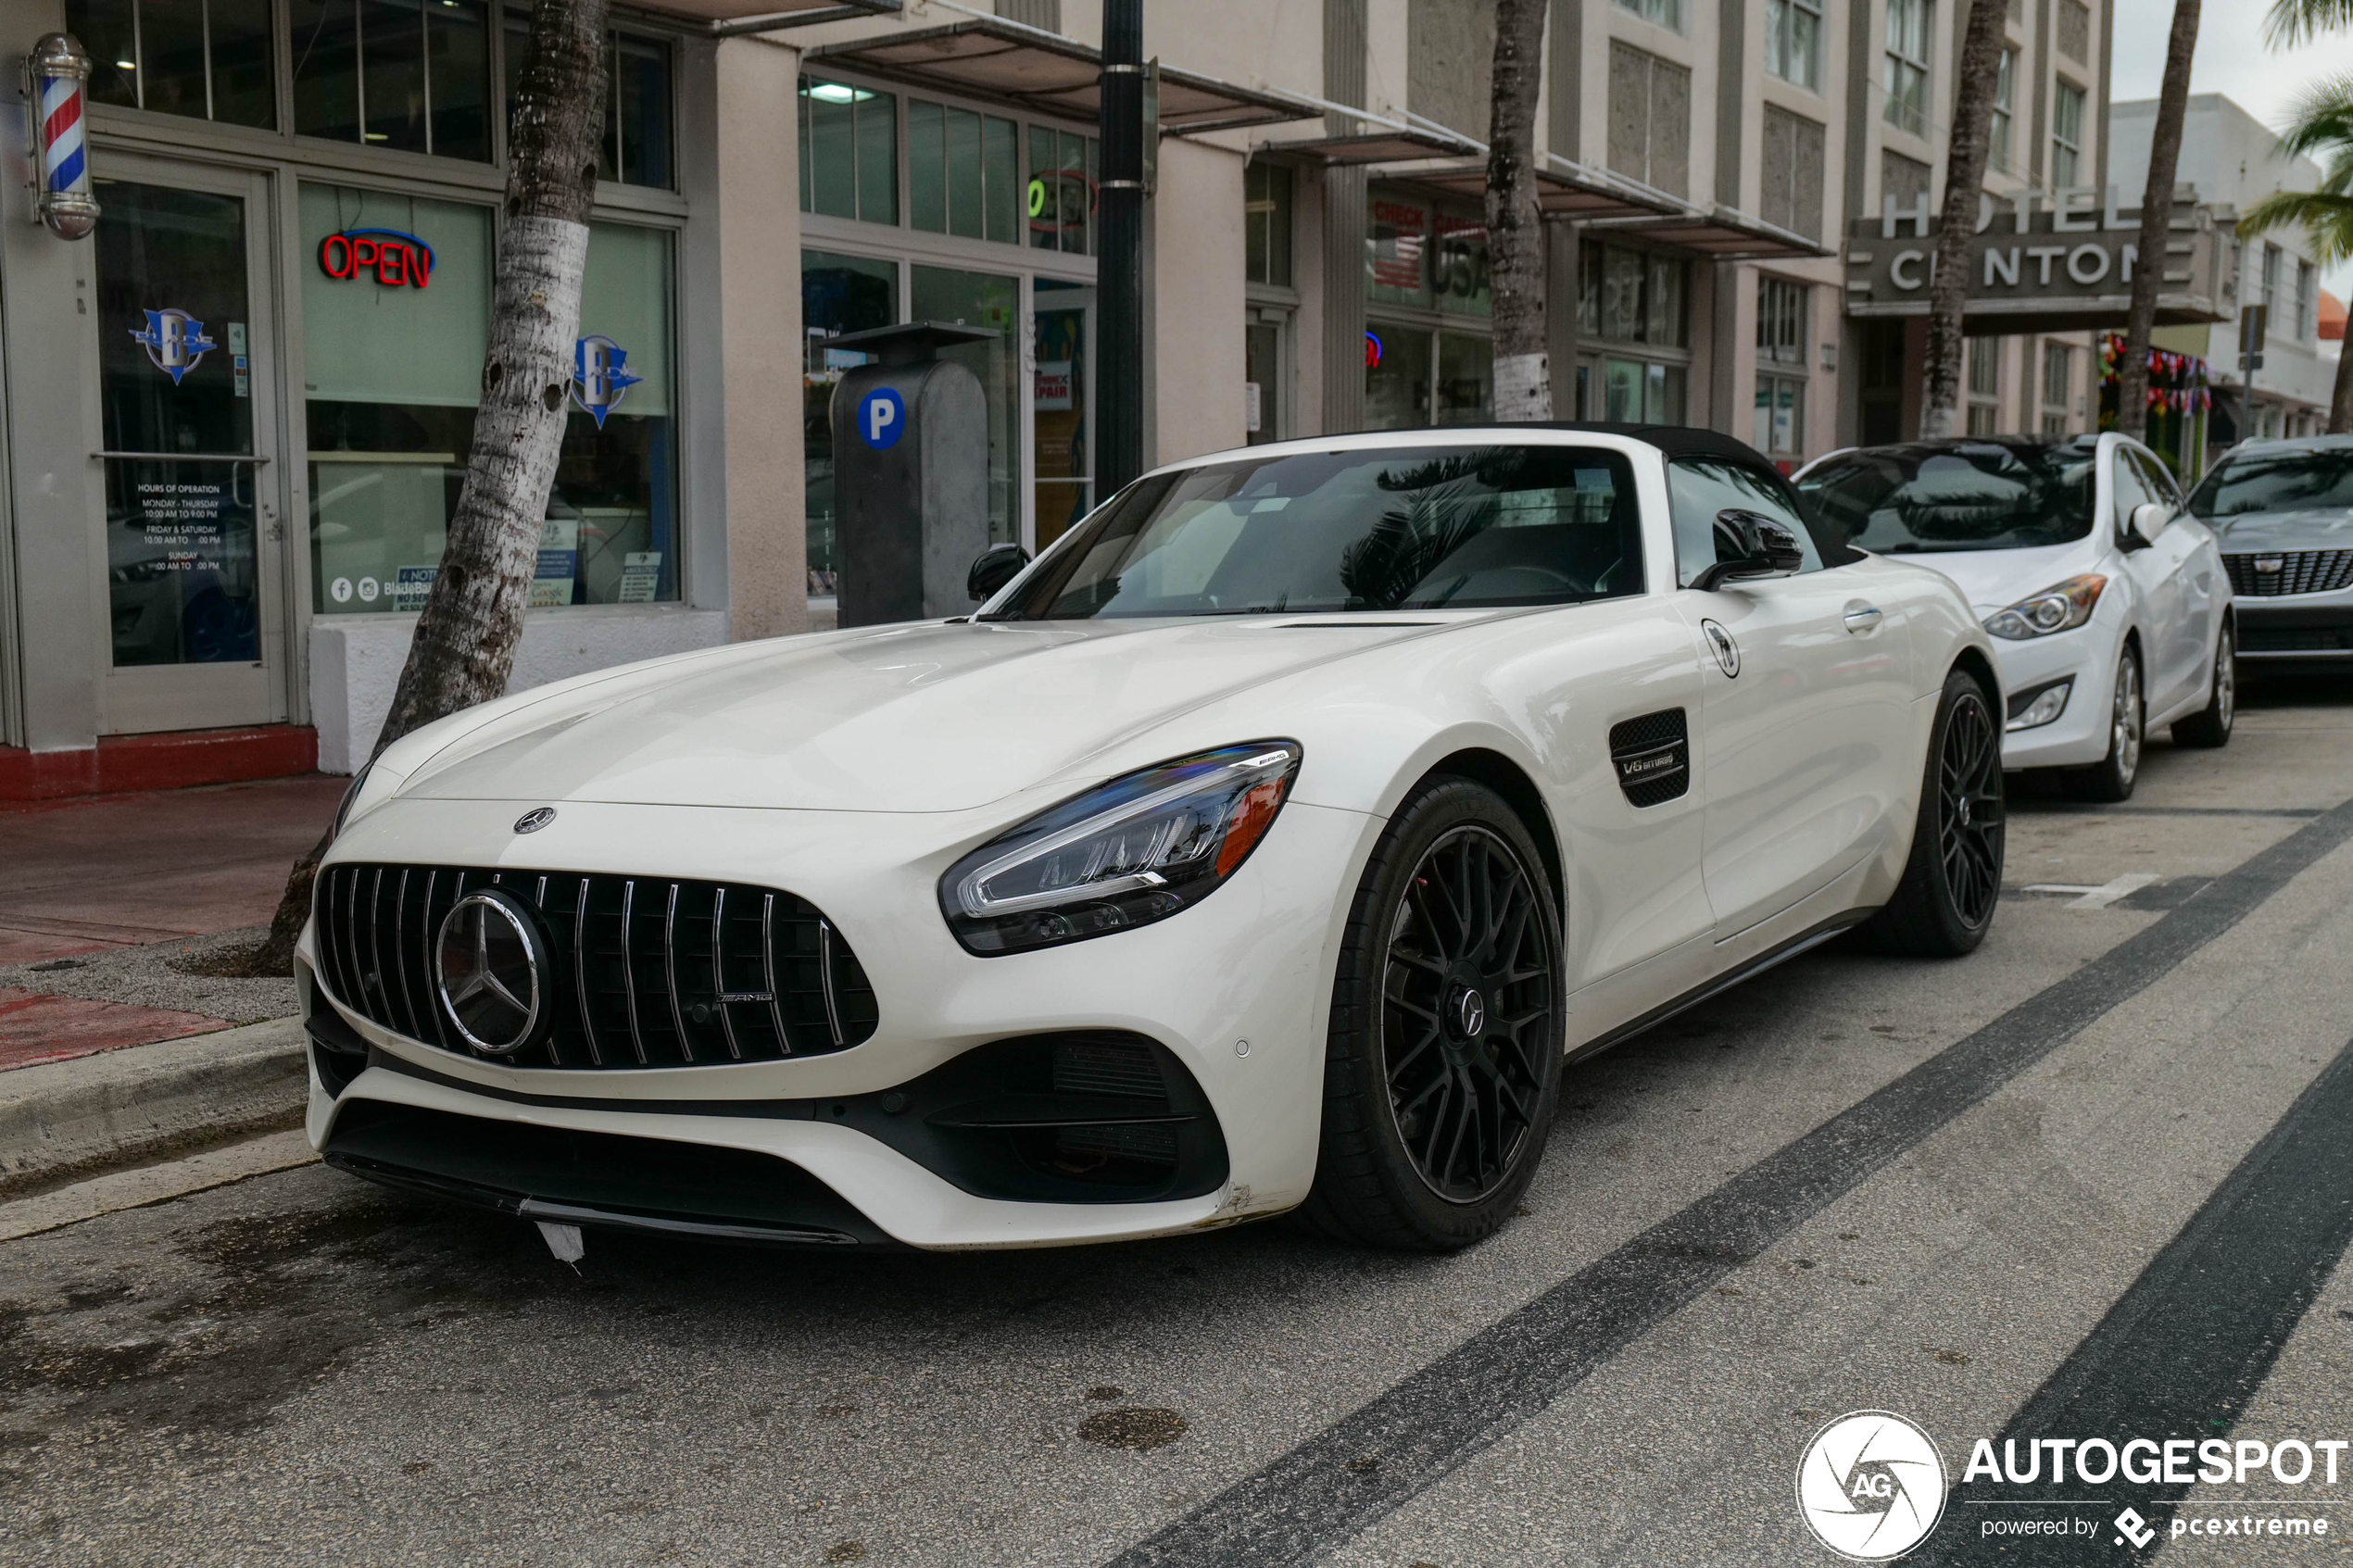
{"points": [[2325, 216], [2321, 120], [2293, 22]]}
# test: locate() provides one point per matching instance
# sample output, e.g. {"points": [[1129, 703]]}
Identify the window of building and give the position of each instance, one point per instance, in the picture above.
{"points": [[1793, 41], [1905, 73], [1791, 165], [412, 77], [209, 59], [849, 151], [1781, 333], [392, 375], [2271, 289], [1060, 199], [1649, 118], [2058, 384], [2000, 152], [1666, 13], [1635, 302], [1266, 220], [636, 148], [2307, 302], [963, 173], [1984, 384], [2067, 137], [1425, 257], [1431, 266], [838, 293], [2075, 31]]}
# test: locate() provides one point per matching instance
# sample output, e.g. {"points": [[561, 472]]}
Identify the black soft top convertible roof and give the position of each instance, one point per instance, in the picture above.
{"points": [[1676, 441]]}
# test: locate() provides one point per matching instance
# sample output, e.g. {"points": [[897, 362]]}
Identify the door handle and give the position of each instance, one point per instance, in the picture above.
{"points": [[1862, 617]]}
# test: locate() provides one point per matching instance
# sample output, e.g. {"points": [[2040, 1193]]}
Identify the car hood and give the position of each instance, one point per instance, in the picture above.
{"points": [[2329, 528], [1993, 578], [927, 717]]}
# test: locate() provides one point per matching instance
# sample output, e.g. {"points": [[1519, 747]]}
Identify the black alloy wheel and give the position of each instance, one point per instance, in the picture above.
{"points": [[1952, 881], [1468, 1014], [1970, 813], [1442, 1066]]}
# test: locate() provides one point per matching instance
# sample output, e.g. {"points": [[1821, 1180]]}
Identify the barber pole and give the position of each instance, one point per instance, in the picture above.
{"points": [[57, 73]]}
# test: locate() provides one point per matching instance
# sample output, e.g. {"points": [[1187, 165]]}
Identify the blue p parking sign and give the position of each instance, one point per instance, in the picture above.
{"points": [[881, 418]]}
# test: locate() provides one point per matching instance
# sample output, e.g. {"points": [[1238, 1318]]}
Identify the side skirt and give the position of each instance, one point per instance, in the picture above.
{"points": [[1781, 953]]}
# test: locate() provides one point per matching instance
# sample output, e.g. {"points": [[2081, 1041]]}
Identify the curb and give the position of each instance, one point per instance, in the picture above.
{"points": [[62, 1121]]}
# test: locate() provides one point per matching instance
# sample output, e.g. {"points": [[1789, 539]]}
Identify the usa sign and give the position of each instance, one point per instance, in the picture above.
{"points": [[398, 260]]}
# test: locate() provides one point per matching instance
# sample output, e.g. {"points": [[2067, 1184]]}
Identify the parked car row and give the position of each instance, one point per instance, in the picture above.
{"points": [[1273, 843]]}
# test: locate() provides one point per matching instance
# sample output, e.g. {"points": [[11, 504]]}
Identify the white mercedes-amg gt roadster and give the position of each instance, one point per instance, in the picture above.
{"points": [[1274, 842]]}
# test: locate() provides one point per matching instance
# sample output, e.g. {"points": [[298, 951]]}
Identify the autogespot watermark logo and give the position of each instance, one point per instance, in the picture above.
{"points": [[1871, 1486]]}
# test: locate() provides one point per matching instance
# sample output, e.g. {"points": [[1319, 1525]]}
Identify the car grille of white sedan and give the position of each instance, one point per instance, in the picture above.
{"points": [[647, 971], [2266, 572]]}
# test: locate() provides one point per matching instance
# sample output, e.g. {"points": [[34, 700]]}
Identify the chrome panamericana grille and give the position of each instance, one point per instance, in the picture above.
{"points": [[649, 973], [2266, 572]]}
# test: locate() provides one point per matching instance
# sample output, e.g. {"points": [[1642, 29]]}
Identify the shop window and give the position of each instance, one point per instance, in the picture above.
{"points": [[2067, 137], [1666, 13], [1462, 279], [1783, 326], [208, 59], [1628, 295], [1060, 196], [1397, 366], [407, 74], [636, 146], [1792, 46], [1904, 70], [838, 293], [1266, 219], [1999, 146], [1984, 384], [1649, 118], [1466, 379], [1781, 415], [849, 151], [1061, 457], [1791, 165], [1397, 251], [963, 173], [392, 377]]}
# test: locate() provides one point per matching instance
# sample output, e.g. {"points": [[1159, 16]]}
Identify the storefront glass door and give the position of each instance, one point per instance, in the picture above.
{"points": [[1063, 457], [986, 300], [192, 518]]}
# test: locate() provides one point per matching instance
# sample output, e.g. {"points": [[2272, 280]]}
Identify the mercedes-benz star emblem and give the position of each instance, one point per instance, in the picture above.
{"points": [[1474, 1013], [489, 962], [533, 820]]}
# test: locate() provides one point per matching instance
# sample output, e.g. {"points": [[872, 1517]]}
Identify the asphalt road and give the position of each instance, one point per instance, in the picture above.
{"points": [[2096, 1180]]}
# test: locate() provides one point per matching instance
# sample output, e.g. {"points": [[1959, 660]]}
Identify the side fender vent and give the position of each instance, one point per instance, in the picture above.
{"points": [[1653, 755]]}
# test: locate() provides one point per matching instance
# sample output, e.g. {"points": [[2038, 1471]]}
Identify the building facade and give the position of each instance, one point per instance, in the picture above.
{"points": [[228, 552]]}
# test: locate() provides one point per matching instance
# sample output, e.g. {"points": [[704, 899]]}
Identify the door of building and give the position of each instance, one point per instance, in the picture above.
{"points": [[192, 589], [1062, 460]]}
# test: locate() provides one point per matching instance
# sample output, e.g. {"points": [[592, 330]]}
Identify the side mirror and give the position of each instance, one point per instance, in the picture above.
{"points": [[1749, 545], [2149, 520], [992, 569]]}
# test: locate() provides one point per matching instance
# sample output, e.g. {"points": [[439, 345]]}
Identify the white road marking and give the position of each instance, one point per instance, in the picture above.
{"points": [[153, 1183], [2100, 897]]}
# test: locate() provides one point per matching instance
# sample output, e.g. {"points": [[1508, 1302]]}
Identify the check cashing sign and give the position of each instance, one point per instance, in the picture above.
{"points": [[2044, 264]]}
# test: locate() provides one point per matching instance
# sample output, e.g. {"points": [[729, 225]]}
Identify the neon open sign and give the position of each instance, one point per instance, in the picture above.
{"points": [[396, 259]]}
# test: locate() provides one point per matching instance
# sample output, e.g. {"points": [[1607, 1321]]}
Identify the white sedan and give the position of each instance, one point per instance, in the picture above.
{"points": [[1271, 843], [2108, 600]]}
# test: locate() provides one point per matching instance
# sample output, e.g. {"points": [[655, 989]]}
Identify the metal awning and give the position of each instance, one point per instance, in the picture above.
{"points": [[1375, 146], [1563, 190], [1047, 74], [727, 16], [1725, 234]]}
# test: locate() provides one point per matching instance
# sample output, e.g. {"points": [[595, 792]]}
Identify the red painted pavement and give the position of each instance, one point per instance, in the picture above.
{"points": [[34, 1028], [176, 760]]}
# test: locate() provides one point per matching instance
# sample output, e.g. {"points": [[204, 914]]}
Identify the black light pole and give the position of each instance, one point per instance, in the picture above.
{"points": [[1119, 256]]}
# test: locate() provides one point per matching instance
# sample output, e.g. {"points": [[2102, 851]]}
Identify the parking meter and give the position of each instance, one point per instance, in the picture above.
{"points": [[910, 474]]}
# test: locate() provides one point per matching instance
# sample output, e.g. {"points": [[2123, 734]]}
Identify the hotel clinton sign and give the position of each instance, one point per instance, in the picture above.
{"points": [[2044, 264]]}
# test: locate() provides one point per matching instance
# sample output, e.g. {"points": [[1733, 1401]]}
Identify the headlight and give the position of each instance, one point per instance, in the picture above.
{"points": [[1133, 851], [350, 796], [2058, 608]]}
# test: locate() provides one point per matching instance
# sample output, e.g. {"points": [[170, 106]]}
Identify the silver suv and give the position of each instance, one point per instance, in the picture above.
{"points": [[2283, 512]]}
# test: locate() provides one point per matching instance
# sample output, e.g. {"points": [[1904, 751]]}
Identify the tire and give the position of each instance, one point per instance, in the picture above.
{"points": [[2112, 777], [1953, 880], [1444, 1065], [2211, 725]]}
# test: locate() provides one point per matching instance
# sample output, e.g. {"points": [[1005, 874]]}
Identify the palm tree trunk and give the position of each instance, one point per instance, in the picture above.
{"points": [[464, 646], [2156, 223], [1514, 227], [1979, 64]]}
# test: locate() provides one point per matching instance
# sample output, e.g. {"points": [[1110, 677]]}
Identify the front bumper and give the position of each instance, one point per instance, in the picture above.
{"points": [[2078, 736], [2314, 629], [1250, 964]]}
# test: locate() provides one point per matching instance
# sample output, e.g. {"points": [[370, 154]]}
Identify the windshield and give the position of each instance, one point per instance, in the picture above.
{"points": [[1415, 528], [1975, 495], [2276, 481]]}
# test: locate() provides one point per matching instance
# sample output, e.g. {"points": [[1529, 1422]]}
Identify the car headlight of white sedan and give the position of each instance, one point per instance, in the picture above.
{"points": [[2062, 607], [1135, 850]]}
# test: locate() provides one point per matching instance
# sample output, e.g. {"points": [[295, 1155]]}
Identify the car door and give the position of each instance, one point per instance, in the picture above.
{"points": [[2196, 594], [1805, 706], [2155, 571]]}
